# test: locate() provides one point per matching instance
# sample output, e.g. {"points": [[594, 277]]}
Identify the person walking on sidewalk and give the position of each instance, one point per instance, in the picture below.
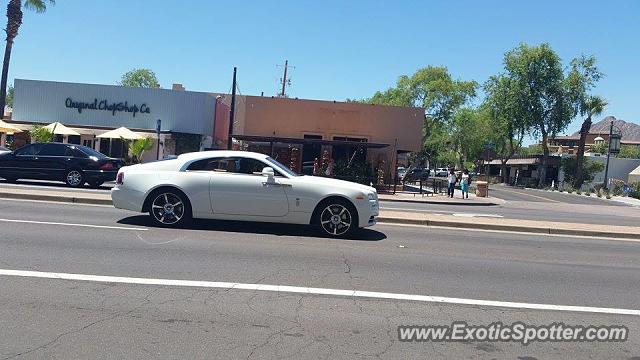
{"points": [[465, 181], [451, 179]]}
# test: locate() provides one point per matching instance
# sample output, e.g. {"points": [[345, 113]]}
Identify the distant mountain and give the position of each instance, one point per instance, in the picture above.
{"points": [[630, 131]]}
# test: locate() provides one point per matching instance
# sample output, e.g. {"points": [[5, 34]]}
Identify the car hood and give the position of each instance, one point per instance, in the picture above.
{"points": [[329, 182]]}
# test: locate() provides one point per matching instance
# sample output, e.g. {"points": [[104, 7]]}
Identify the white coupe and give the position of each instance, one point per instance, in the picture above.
{"points": [[246, 186]]}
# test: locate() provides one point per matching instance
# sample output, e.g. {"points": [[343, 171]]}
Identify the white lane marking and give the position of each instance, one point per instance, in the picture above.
{"points": [[315, 291], [477, 215], [507, 232], [71, 224]]}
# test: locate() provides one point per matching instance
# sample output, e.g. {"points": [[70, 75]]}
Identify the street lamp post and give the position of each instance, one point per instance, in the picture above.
{"points": [[613, 147]]}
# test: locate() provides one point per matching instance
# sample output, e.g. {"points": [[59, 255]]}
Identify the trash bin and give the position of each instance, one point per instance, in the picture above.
{"points": [[481, 188]]}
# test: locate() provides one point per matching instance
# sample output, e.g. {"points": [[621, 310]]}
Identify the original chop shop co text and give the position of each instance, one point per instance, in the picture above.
{"points": [[105, 105]]}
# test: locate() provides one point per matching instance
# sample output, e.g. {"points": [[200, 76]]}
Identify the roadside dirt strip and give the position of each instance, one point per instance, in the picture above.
{"points": [[393, 217]]}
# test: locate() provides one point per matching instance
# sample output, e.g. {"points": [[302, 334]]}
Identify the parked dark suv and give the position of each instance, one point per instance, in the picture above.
{"points": [[73, 164]]}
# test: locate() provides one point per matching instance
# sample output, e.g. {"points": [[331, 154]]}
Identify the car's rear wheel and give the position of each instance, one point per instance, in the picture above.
{"points": [[169, 208], [337, 217], [74, 178]]}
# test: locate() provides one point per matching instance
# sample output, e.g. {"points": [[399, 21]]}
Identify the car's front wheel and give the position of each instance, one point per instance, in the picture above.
{"points": [[74, 178], [169, 208], [95, 184], [337, 217]]}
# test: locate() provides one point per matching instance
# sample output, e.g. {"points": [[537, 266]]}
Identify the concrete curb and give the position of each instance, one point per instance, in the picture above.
{"points": [[470, 203], [505, 227], [56, 198]]}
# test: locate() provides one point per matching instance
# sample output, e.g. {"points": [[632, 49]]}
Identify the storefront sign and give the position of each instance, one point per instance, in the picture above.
{"points": [[106, 106]]}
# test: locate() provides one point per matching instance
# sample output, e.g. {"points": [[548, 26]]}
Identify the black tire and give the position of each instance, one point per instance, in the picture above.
{"points": [[169, 208], [336, 217], [74, 178], [95, 184]]}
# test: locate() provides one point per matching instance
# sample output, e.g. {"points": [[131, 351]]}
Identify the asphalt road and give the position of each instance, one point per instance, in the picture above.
{"points": [[52, 318]]}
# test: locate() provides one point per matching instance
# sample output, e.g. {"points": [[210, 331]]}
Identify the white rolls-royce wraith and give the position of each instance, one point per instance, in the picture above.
{"points": [[246, 186]]}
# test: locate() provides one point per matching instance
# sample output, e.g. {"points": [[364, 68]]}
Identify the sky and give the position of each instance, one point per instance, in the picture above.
{"points": [[339, 49]]}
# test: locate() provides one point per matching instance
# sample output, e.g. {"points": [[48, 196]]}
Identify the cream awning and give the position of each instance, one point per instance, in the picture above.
{"points": [[58, 129], [8, 128], [120, 133]]}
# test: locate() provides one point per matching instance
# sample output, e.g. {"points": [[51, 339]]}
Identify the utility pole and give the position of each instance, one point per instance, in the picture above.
{"points": [[232, 111], [606, 169], [284, 81]]}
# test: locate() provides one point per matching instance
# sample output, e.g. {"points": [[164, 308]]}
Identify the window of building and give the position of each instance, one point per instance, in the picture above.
{"points": [[87, 143]]}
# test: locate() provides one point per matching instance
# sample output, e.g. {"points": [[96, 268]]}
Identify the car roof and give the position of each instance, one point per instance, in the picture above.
{"points": [[220, 153]]}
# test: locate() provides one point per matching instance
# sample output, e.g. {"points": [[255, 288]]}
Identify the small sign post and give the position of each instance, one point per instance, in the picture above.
{"points": [[158, 127]]}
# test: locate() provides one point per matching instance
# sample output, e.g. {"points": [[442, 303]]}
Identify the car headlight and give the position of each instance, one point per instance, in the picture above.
{"points": [[371, 196]]}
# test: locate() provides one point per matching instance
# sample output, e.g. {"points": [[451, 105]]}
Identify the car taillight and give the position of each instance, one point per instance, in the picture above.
{"points": [[120, 178], [106, 166]]}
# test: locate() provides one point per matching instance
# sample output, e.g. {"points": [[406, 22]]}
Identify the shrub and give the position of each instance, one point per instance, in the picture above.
{"points": [[599, 194], [569, 189], [41, 134], [579, 192], [590, 169], [635, 190]]}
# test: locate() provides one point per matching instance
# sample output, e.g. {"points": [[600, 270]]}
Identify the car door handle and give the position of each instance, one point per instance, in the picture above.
{"points": [[264, 183]]}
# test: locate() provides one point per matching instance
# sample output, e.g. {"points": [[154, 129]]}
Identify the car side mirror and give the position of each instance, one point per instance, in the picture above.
{"points": [[268, 172]]}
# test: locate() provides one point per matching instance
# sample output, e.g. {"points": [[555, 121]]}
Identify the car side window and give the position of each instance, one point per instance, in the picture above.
{"points": [[29, 150], [234, 165], [53, 150], [72, 151]]}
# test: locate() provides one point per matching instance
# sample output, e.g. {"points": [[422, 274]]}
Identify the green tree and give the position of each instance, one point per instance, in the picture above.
{"points": [[535, 149], [9, 100], [41, 134], [629, 152], [144, 78], [433, 89], [508, 126], [591, 168], [590, 106], [14, 20], [467, 135], [599, 148], [544, 97], [138, 147], [582, 77]]}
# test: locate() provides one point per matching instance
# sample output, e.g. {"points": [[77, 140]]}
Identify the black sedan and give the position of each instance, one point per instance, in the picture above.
{"points": [[73, 164]]}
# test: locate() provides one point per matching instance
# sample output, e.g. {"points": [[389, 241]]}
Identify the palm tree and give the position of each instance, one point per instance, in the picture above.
{"points": [[14, 20], [592, 106]]}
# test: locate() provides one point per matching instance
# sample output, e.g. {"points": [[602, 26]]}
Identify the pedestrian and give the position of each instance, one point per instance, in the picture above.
{"points": [[465, 181], [451, 179]]}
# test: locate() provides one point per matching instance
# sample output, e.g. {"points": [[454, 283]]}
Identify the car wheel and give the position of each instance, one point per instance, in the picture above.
{"points": [[169, 208], [95, 184], [74, 178], [337, 217]]}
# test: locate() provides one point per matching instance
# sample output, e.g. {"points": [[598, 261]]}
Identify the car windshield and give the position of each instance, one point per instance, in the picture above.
{"points": [[89, 151], [281, 167]]}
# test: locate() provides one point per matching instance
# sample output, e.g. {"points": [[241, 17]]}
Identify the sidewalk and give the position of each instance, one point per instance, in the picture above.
{"points": [[412, 197], [529, 226], [386, 216]]}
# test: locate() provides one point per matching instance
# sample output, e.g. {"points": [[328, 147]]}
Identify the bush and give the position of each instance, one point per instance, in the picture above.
{"points": [[570, 189], [41, 134], [578, 192], [599, 194], [635, 190]]}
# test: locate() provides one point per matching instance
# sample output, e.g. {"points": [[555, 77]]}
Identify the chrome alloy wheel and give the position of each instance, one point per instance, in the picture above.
{"points": [[74, 178], [167, 208], [335, 219]]}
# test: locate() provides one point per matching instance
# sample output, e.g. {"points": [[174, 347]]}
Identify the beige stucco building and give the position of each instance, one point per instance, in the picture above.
{"points": [[299, 131]]}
